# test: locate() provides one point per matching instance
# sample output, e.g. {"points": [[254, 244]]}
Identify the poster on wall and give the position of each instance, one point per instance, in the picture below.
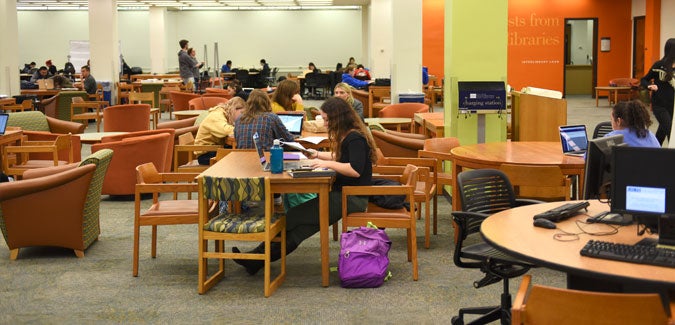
{"points": [[79, 53]]}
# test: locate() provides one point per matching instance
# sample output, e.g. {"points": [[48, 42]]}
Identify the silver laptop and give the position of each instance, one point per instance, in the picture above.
{"points": [[4, 117], [45, 84], [293, 123], [288, 165], [574, 139]]}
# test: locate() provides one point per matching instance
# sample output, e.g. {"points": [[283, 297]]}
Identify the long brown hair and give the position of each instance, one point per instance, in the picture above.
{"points": [[257, 104], [342, 120], [284, 93]]}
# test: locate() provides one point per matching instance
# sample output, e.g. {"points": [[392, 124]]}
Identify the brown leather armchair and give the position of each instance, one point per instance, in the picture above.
{"points": [[74, 225], [126, 118], [131, 150], [362, 95], [398, 144], [39, 127]]}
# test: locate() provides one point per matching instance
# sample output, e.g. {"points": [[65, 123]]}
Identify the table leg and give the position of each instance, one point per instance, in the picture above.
{"points": [[597, 93], [323, 232]]}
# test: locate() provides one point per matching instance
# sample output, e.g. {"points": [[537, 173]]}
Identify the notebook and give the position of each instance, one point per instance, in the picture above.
{"points": [[293, 123], [288, 165], [573, 139], [4, 117], [45, 84]]}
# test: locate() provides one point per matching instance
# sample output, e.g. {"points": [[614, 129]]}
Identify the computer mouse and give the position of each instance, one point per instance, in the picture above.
{"points": [[544, 223]]}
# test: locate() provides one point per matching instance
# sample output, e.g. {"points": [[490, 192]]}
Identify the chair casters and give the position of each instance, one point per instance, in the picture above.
{"points": [[456, 320]]}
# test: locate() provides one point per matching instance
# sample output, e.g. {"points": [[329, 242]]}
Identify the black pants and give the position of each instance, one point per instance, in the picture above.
{"points": [[665, 118], [302, 221], [205, 158]]}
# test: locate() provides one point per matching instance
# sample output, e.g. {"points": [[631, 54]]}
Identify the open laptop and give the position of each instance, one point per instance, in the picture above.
{"points": [[45, 84], [266, 165], [4, 117], [293, 123], [574, 139]]}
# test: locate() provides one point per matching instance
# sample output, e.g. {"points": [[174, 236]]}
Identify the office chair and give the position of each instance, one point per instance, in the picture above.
{"points": [[601, 129], [484, 192]]}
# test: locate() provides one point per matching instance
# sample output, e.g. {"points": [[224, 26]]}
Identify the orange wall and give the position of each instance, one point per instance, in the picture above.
{"points": [[536, 39], [433, 13]]}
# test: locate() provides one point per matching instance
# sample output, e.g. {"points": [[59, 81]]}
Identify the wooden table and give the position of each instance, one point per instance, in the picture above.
{"points": [[95, 137], [493, 155], [396, 121], [40, 93], [512, 232], [610, 90], [435, 126], [418, 119], [247, 164], [181, 115]]}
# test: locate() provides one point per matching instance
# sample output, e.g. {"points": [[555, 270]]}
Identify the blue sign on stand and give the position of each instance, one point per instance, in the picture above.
{"points": [[481, 95]]}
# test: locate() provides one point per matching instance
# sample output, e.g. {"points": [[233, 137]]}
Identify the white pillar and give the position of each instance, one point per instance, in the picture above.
{"points": [[380, 27], [406, 57], [104, 52], [9, 59], [157, 21]]}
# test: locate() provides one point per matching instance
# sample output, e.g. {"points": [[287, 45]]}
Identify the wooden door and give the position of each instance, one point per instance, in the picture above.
{"points": [[638, 47]]}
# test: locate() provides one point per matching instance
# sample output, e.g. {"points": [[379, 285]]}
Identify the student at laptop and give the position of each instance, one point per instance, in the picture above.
{"points": [[287, 97], [88, 81], [258, 117], [352, 156], [217, 126], [42, 73], [631, 119]]}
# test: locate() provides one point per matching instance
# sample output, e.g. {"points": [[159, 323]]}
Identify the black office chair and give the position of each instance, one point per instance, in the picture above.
{"points": [[601, 129], [484, 192], [242, 75]]}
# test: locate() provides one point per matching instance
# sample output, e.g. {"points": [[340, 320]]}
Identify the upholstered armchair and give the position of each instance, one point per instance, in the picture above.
{"points": [[59, 106], [38, 127], [74, 224], [133, 149], [206, 102], [126, 118], [181, 100], [398, 144], [188, 125]]}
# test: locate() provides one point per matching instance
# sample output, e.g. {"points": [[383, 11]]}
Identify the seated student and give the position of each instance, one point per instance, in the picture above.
{"points": [[352, 156], [52, 68], [287, 97], [227, 67], [348, 78], [42, 73], [311, 68], [61, 82], [258, 118], [631, 119], [344, 91], [217, 126], [88, 80], [235, 90], [361, 73]]}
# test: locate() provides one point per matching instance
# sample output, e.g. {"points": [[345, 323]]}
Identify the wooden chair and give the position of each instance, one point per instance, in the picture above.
{"points": [[425, 187], [123, 90], [548, 305], [81, 110], [184, 158], [165, 100], [378, 98], [23, 162], [165, 212], [439, 148], [147, 98], [546, 183], [386, 218], [9, 104], [267, 227]]}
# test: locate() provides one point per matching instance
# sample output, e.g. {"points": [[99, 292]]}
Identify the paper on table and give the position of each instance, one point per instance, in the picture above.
{"points": [[295, 145], [314, 140]]}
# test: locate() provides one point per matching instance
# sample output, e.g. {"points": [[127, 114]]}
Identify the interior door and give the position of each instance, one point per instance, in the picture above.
{"points": [[638, 47], [581, 39]]}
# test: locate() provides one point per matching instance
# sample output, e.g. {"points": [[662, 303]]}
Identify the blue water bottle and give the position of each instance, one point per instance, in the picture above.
{"points": [[277, 158]]}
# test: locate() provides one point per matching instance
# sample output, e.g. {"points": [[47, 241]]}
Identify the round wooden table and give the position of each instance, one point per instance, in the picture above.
{"points": [[180, 115], [95, 137], [494, 154]]}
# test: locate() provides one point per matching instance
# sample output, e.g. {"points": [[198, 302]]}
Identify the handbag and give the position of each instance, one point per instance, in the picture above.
{"points": [[363, 259]]}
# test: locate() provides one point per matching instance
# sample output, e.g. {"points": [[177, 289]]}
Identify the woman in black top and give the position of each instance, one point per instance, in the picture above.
{"points": [[352, 157], [659, 80]]}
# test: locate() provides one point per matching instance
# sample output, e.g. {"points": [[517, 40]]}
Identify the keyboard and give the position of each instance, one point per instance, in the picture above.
{"points": [[563, 212], [638, 253]]}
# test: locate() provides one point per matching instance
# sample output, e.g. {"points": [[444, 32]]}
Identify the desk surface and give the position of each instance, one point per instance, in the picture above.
{"points": [[512, 232], [247, 164], [95, 137]]}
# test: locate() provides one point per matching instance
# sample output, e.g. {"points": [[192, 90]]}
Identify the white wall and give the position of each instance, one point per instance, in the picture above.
{"points": [[581, 47], [286, 39], [667, 22]]}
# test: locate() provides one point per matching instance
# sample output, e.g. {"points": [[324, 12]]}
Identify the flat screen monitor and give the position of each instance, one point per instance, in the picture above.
{"points": [[597, 172], [642, 183]]}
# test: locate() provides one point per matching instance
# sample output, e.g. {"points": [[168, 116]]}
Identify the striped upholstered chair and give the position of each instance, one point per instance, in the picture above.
{"points": [[58, 220], [266, 226]]}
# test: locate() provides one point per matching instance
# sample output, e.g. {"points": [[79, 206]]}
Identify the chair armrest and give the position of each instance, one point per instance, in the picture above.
{"points": [[10, 190], [464, 216], [177, 124], [179, 177], [46, 171], [377, 190], [434, 154], [167, 188], [64, 127]]}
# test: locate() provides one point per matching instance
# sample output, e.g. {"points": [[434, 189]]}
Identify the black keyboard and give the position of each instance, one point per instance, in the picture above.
{"points": [[563, 212], [638, 253]]}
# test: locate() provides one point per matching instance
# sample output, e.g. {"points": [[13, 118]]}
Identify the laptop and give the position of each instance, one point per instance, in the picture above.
{"points": [[288, 165], [293, 123], [45, 84], [574, 140], [4, 117]]}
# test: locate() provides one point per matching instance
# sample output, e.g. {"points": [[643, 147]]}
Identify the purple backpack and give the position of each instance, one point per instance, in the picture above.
{"points": [[363, 257]]}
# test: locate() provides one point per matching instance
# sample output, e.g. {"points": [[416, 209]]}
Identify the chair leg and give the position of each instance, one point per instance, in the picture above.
{"points": [[435, 214], [154, 242], [79, 253], [427, 224], [335, 231], [13, 254], [134, 268], [413, 249]]}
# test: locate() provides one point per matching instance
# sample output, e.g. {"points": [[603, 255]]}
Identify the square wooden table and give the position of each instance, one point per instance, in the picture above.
{"points": [[611, 91]]}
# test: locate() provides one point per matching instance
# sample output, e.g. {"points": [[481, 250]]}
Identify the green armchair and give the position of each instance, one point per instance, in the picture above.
{"points": [[74, 225], [59, 106]]}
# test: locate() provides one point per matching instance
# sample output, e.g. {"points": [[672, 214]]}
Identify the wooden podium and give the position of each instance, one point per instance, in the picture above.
{"points": [[536, 118]]}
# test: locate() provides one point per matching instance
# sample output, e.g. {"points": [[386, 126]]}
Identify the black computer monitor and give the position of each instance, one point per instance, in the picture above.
{"points": [[598, 167], [642, 183]]}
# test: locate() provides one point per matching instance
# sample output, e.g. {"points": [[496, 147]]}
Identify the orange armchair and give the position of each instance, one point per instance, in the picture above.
{"points": [[181, 126], [126, 118], [181, 100], [131, 150], [206, 102], [393, 144]]}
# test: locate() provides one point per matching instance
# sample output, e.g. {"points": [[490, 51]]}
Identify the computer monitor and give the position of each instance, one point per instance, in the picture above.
{"points": [[642, 185], [597, 172]]}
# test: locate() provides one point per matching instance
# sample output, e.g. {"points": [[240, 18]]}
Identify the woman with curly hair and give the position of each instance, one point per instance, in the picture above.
{"points": [[631, 119]]}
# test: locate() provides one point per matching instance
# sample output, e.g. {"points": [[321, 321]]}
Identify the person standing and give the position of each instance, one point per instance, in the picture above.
{"points": [[185, 63], [88, 81], [196, 65], [659, 80]]}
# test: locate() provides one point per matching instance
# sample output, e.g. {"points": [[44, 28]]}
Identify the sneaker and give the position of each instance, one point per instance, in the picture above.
{"points": [[278, 201]]}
